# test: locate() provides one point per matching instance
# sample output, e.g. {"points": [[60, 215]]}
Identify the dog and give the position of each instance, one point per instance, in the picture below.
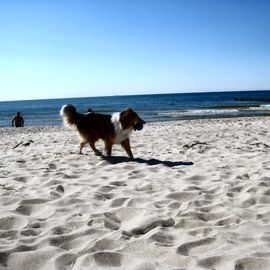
{"points": [[112, 129]]}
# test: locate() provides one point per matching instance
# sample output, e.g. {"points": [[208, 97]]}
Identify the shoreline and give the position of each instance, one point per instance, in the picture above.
{"points": [[228, 118], [196, 196]]}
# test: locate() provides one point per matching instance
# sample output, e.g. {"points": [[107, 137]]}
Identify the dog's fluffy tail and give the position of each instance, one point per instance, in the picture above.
{"points": [[70, 115]]}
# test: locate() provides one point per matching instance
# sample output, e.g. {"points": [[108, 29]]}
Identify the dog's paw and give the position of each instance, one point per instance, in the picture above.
{"points": [[98, 153]]}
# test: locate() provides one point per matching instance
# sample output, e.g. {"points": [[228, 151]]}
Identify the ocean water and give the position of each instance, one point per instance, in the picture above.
{"points": [[159, 107]]}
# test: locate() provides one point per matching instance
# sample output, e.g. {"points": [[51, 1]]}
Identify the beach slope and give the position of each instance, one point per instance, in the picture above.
{"points": [[196, 196]]}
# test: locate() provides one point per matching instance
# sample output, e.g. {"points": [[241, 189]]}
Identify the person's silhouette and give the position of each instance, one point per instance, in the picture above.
{"points": [[17, 120]]}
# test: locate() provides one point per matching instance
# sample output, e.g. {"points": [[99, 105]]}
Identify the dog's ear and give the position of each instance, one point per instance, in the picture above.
{"points": [[126, 112], [129, 110], [127, 118]]}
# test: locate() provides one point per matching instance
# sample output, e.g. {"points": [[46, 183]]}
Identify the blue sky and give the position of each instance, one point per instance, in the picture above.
{"points": [[55, 49]]}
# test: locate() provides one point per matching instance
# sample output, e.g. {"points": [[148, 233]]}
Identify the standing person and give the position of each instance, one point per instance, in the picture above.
{"points": [[17, 120]]}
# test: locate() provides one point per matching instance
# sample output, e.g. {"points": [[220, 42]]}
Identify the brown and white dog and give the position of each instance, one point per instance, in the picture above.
{"points": [[112, 129]]}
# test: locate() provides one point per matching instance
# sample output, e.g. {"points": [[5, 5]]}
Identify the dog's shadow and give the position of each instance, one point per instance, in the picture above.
{"points": [[151, 162]]}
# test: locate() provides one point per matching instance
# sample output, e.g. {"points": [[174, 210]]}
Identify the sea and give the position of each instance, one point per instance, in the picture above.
{"points": [[152, 108]]}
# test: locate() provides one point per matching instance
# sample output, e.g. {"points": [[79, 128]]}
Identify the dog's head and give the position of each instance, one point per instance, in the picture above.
{"points": [[129, 119]]}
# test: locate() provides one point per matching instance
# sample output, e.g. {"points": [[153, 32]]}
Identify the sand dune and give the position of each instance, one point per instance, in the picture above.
{"points": [[196, 196]]}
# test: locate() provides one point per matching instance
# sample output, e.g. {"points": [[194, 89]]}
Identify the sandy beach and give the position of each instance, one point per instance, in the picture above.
{"points": [[196, 196]]}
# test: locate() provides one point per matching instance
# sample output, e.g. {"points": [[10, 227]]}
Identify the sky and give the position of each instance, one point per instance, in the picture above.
{"points": [[83, 48]]}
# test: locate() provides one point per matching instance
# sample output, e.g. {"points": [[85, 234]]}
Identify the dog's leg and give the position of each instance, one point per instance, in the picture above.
{"points": [[82, 144], [92, 145], [126, 145], [108, 147]]}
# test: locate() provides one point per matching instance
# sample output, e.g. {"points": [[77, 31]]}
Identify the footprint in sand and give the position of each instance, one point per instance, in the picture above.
{"points": [[185, 248], [12, 222], [105, 189], [65, 261], [24, 210], [30, 232], [148, 225], [163, 239], [52, 166], [103, 196], [111, 221], [22, 179], [35, 210], [251, 263], [118, 183], [183, 196], [112, 259], [106, 244], [59, 191], [118, 202], [210, 262], [228, 221]]}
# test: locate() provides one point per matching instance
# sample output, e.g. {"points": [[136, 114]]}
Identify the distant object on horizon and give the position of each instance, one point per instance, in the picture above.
{"points": [[252, 99]]}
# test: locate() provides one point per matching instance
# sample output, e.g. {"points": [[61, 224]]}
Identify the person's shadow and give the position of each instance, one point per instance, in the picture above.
{"points": [[151, 162]]}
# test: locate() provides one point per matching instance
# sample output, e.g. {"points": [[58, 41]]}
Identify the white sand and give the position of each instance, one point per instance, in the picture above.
{"points": [[196, 197]]}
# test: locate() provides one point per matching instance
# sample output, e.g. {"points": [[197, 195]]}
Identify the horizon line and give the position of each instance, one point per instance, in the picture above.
{"points": [[147, 94]]}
